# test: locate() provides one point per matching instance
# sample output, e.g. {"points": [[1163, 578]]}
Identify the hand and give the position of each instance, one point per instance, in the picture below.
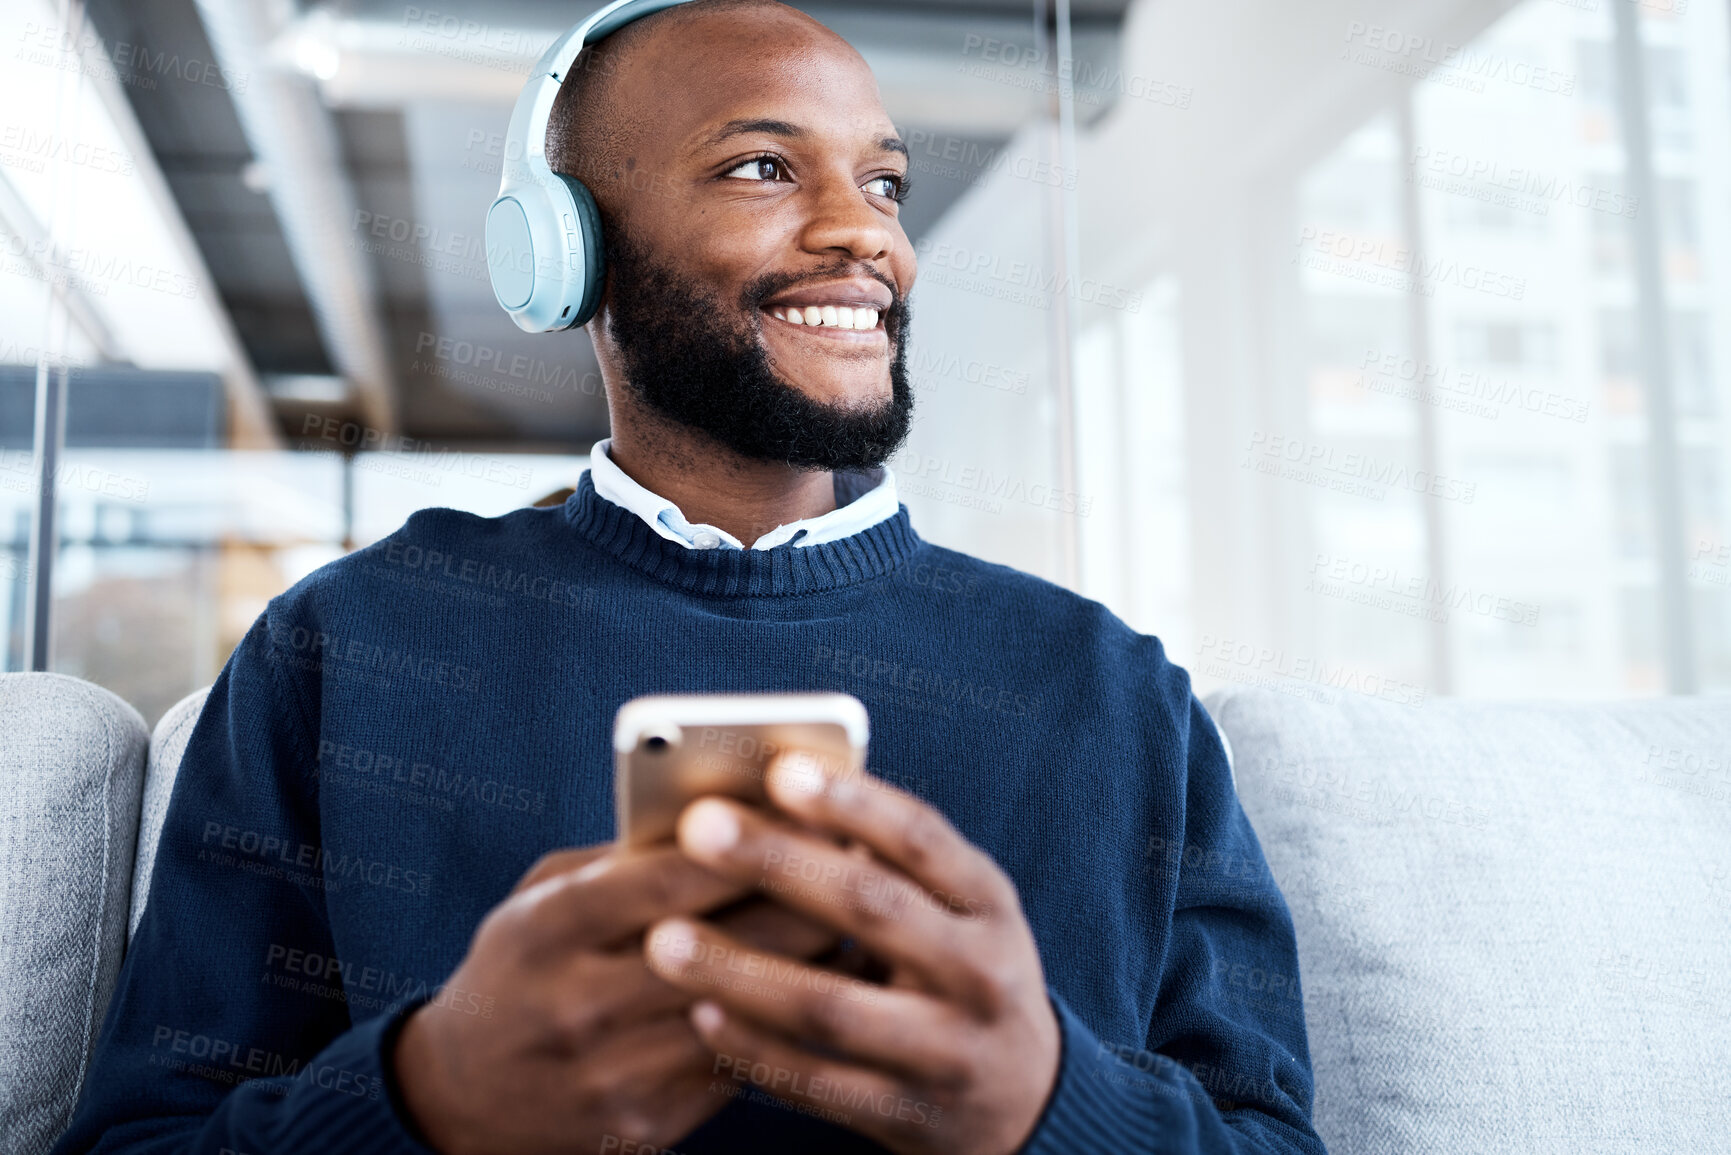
{"points": [[583, 1041], [958, 1053]]}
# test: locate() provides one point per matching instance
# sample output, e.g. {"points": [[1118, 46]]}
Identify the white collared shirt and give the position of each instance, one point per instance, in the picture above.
{"points": [[864, 511]]}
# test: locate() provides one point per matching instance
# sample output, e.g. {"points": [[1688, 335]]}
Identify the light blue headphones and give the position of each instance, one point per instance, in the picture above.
{"points": [[543, 231]]}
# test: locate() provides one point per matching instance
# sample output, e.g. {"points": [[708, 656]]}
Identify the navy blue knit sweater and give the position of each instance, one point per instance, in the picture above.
{"points": [[402, 734]]}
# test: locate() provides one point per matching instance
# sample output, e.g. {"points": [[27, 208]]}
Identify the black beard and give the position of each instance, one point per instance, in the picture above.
{"points": [[685, 363]]}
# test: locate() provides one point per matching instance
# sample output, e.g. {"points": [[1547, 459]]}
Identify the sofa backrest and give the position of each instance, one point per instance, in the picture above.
{"points": [[167, 744], [1513, 919], [72, 759]]}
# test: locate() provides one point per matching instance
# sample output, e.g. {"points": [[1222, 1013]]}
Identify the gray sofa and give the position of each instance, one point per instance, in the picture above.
{"points": [[1513, 920], [85, 787]]}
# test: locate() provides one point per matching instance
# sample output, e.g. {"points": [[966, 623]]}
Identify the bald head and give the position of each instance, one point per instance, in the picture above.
{"points": [[618, 86]]}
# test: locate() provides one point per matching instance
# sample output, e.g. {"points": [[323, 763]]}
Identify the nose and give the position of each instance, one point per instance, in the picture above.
{"points": [[843, 220]]}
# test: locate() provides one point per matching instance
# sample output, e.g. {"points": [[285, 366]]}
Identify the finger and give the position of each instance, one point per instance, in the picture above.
{"points": [[560, 861], [891, 913], [769, 926], [860, 1099], [885, 1027], [899, 827], [598, 993], [613, 897], [649, 1081]]}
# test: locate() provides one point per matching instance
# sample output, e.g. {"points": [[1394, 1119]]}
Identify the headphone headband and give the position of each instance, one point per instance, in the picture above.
{"points": [[543, 230]]}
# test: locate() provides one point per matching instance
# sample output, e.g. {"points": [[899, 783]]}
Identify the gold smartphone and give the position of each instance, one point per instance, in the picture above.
{"points": [[669, 749]]}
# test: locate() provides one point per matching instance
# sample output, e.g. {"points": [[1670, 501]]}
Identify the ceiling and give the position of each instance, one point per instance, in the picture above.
{"points": [[411, 99]]}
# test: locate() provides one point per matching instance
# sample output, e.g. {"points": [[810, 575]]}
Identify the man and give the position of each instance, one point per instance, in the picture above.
{"points": [[362, 934]]}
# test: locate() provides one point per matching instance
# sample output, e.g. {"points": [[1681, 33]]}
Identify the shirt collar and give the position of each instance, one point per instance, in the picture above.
{"points": [[863, 499]]}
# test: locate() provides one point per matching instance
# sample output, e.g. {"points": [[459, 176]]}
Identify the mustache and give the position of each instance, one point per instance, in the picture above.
{"points": [[768, 285]]}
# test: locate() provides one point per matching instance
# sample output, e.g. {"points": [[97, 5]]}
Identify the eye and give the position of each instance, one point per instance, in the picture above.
{"points": [[888, 185], [759, 168]]}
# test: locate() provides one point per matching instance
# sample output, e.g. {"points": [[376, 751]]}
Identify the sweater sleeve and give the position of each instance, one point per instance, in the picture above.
{"points": [[1226, 1065], [204, 1047]]}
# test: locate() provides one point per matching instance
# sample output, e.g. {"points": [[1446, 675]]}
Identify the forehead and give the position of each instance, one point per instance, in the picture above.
{"points": [[690, 77]]}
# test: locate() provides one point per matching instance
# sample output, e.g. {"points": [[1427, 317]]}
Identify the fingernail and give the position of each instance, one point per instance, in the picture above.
{"points": [[709, 828], [673, 940], [706, 1017]]}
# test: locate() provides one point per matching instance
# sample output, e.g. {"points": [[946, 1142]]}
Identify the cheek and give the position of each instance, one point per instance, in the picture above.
{"points": [[727, 259]]}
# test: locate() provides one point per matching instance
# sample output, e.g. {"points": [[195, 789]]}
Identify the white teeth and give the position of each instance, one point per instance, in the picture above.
{"points": [[833, 316]]}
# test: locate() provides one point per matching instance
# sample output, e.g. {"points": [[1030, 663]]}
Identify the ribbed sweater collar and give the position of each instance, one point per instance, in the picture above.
{"points": [[784, 570]]}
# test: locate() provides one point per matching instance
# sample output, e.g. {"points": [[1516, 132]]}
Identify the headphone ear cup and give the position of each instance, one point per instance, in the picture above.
{"points": [[594, 260]]}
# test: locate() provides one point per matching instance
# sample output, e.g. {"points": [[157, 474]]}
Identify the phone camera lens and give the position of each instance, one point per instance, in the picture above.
{"points": [[659, 738]]}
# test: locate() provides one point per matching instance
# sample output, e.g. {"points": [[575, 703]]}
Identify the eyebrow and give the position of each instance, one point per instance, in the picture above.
{"points": [[787, 129]]}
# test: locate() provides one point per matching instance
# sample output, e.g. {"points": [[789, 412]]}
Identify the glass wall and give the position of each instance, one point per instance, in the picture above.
{"points": [[1353, 349], [1443, 315]]}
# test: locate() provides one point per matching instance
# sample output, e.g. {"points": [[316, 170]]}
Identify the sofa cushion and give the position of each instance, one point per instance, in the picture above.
{"points": [[167, 744], [1513, 920], [71, 768]]}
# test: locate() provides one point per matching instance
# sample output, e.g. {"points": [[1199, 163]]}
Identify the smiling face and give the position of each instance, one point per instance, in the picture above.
{"points": [[750, 183]]}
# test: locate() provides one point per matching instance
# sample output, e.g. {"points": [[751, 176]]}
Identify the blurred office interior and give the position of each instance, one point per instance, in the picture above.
{"points": [[1350, 347]]}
